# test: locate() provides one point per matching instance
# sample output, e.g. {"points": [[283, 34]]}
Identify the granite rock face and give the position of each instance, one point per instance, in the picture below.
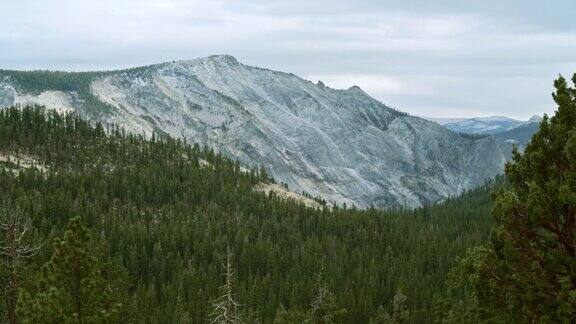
{"points": [[342, 145]]}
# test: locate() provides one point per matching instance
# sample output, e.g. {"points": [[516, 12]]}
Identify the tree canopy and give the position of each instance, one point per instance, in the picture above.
{"points": [[161, 212], [527, 273]]}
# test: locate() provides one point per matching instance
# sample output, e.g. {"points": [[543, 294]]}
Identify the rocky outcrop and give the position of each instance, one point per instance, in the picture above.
{"points": [[342, 145]]}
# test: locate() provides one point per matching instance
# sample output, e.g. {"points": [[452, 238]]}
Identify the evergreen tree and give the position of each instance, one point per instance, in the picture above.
{"points": [[161, 208], [381, 316], [284, 316], [71, 287], [529, 270], [323, 308], [400, 312], [226, 308], [460, 304], [15, 250]]}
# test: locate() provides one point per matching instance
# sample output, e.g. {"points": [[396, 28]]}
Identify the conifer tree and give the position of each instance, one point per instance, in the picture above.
{"points": [[15, 250], [226, 308], [284, 316], [400, 312], [323, 308], [158, 212], [460, 304], [281, 316], [529, 271], [381, 316], [71, 287]]}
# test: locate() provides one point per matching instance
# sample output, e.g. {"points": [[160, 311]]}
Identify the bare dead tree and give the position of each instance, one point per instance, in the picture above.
{"points": [[226, 308], [15, 249]]}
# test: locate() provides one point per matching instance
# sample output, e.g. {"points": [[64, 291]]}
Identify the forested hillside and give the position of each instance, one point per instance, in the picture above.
{"points": [[164, 218], [340, 144], [76, 83]]}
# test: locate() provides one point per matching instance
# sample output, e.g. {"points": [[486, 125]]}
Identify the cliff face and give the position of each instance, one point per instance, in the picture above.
{"points": [[340, 144]]}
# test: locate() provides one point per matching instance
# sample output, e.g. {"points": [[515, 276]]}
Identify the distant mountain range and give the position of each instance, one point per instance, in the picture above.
{"points": [[521, 134], [478, 125], [342, 145], [507, 129]]}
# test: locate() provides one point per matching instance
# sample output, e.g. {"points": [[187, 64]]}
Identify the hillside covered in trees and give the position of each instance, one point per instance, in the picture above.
{"points": [[158, 222], [341, 144], [77, 83]]}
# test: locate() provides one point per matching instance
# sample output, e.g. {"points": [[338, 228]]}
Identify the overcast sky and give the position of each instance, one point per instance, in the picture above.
{"points": [[442, 58]]}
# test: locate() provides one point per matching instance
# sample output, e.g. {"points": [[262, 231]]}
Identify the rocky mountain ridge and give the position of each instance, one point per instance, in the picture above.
{"points": [[342, 145], [484, 125]]}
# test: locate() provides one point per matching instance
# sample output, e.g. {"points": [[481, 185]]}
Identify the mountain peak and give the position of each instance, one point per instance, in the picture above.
{"points": [[337, 144], [356, 88], [221, 59], [535, 119]]}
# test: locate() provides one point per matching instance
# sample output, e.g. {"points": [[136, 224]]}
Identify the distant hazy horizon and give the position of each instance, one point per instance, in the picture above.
{"points": [[434, 59]]}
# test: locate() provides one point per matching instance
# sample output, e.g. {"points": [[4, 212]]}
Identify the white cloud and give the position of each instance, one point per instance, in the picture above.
{"points": [[373, 83], [479, 58]]}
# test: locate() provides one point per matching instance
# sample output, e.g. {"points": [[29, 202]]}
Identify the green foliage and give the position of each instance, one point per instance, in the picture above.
{"points": [[16, 249], [460, 303], [400, 312], [164, 210], [381, 317], [76, 83], [73, 286], [528, 271], [284, 316], [323, 308], [473, 136]]}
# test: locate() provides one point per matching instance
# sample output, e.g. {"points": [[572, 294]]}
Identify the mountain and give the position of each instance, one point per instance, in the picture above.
{"points": [[521, 134], [507, 129], [342, 145], [478, 125]]}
